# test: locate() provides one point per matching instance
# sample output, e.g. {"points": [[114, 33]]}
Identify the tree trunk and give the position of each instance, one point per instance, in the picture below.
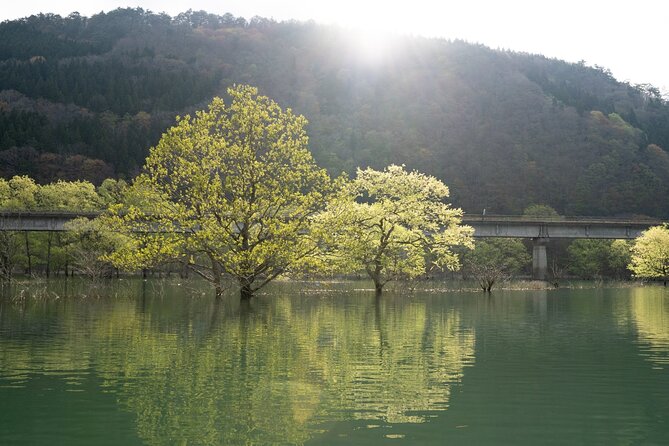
{"points": [[30, 267], [378, 287], [217, 276], [48, 254], [245, 292], [375, 274], [5, 268], [219, 290], [245, 289]]}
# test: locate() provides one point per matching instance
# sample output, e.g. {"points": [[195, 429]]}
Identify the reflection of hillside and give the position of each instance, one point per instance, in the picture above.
{"points": [[225, 375], [650, 311]]}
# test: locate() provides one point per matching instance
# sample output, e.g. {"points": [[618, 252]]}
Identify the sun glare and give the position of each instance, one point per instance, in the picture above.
{"points": [[372, 46]]}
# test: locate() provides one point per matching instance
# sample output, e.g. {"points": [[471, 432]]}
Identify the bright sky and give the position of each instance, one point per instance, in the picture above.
{"points": [[629, 38]]}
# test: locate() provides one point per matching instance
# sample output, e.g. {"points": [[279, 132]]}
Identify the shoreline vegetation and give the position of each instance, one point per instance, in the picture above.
{"points": [[40, 288]]}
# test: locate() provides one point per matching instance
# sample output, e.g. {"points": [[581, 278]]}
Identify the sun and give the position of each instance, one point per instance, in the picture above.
{"points": [[372, 46]]}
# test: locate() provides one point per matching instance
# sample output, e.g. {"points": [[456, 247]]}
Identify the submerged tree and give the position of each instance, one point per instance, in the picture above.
{"points": [[79, 196], [89, 242], [492, 261], [231, 191], [650, 254], [394, 224]]}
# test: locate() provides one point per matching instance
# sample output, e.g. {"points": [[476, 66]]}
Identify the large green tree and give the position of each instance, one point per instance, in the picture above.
{"points": [[231, 191], [395, 223], [650, 254]]}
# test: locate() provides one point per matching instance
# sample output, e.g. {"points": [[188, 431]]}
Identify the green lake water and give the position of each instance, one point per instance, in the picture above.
{"points": [[163, 363]]}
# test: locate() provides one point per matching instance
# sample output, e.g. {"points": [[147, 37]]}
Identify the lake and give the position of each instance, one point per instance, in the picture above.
{"points": [[164, 363]]}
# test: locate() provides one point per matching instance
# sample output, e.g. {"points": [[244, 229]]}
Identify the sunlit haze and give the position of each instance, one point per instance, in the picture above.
{"points": [[627, 38]]}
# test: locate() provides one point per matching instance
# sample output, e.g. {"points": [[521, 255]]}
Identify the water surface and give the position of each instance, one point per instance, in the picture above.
{"points": [[164, 363]]}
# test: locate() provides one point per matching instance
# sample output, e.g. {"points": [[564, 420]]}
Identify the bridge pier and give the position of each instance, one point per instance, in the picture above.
{"points": [[539, 258]]}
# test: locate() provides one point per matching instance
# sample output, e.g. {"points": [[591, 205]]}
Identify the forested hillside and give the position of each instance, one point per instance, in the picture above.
{"points": [[84, 98]]}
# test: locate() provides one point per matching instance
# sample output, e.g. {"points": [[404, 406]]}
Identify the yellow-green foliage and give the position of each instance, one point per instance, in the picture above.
{"points": [[68, 195], [234, 185], [111, 191], [89, 242], [21, 193], [18, 193], [48, 250], [650, 253], [394, 223]]}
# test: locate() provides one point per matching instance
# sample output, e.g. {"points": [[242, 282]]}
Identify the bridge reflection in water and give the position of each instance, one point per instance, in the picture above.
{"points": [[539, 229]]}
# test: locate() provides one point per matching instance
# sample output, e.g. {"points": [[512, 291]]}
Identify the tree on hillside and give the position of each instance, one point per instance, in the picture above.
{"points": [[540, 210], [650, 254], [394, 224], [231, 191]]}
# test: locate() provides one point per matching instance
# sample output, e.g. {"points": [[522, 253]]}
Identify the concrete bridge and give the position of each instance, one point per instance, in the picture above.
{"points": [[539, 229], [39, 221], [542, 229]]}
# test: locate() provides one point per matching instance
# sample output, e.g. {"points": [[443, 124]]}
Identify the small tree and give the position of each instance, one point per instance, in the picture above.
{"points": [[64, 196], [231, 191], [588, 258], [492, 261], [10, 246], [394, 223], [18, 194], [650, 254], [8, 240], [619, 257], [90, 243]]}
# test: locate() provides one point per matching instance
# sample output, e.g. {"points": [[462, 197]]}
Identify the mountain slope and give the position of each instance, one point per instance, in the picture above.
{"points": [[503, 129]]}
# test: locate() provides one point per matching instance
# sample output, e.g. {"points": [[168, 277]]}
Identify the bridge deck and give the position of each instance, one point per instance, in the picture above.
{"points": [[557, 227], [484, 226], [538, 228]]}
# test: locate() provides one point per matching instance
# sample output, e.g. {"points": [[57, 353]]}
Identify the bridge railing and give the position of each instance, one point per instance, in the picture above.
{"points": [[561, 219], [48, 214], [58, 217]]}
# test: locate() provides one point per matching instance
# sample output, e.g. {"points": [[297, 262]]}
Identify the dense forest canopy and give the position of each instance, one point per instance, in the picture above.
{"points": [[85, 98]]}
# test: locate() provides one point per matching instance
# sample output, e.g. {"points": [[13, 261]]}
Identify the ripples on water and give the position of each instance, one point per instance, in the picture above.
{"points": [[163, 363]]}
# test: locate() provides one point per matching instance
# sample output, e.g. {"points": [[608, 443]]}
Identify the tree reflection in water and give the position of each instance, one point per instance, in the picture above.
{"points": [[650, 313], [196, 371]]}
